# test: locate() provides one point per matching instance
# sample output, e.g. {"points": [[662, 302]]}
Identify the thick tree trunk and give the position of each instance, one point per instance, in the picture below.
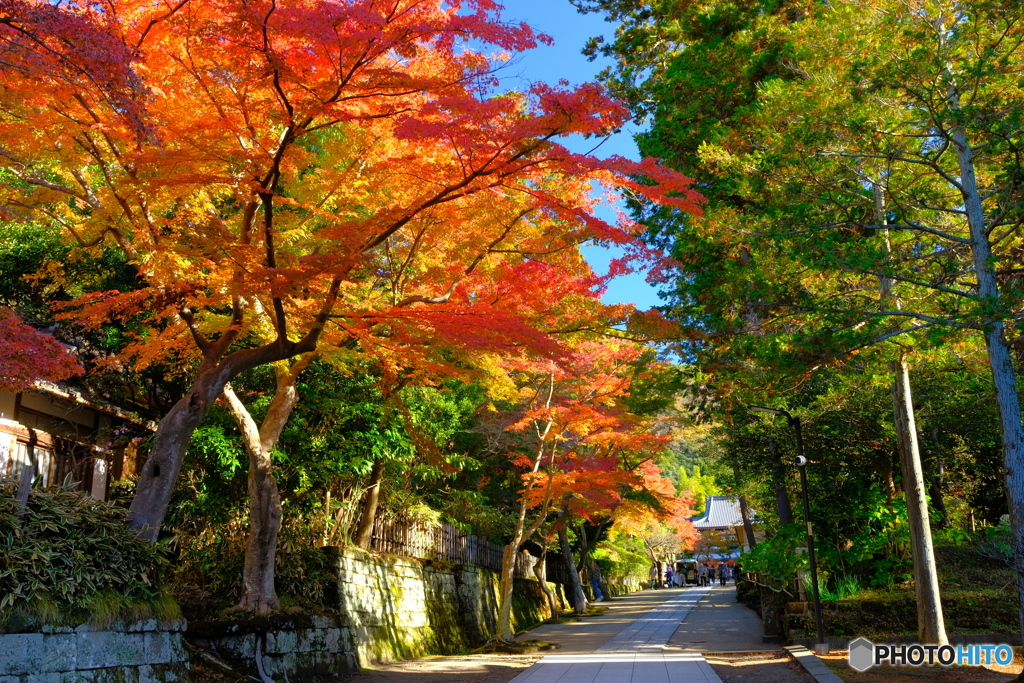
{"points": [[748, 528], [931, 627], [522, 531], [258, 592], [779, 483], [159, 474], [364, 532], [1003, 374], [579, 599]]}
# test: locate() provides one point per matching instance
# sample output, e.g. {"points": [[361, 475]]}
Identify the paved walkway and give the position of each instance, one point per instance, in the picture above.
{"points": [[719, 624], [634, 654]]}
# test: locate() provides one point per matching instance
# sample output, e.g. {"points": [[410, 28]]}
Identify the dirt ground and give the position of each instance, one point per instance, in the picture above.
{"points": [[770, 666], [837, 661], [490, 668]]}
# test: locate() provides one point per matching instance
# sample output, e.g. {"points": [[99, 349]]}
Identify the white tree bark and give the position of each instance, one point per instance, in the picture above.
{"points": [[258, 592], [1003, 374]]}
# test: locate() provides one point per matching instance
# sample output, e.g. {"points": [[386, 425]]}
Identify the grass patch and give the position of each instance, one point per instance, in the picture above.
{"points": [[100, 611]]}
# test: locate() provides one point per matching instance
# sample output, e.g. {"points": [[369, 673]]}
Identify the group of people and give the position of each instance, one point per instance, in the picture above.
{"points": [[706, 573]]}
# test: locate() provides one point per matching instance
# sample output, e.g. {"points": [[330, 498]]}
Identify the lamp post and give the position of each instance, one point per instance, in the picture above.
{"points": [[801, 463]]}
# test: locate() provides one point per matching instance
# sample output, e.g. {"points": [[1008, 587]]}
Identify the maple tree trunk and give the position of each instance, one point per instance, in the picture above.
{"points": [[579, 599], [540, 570], [159, 474], [1000, 361], [364, 532], [258, 591], [931, 628], [505, 586]]}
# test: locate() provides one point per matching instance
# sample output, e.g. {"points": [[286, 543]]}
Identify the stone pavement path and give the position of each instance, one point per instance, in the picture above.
{"points": [[654, 629], [633, 655], [719, 624]]}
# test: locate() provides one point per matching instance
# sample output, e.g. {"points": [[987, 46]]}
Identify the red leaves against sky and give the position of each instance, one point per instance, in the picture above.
{"points": [[447, 210]]}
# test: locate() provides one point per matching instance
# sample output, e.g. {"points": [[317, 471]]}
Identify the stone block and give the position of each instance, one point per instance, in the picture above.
{"points": [[93, 651], [59, 652], [142, 625], [278, 666], [237, 647], [177, 649], [319, 621], [332, 640], [157, 647], [309, 640], [280, 642], [57, 629], [20, 653], [52, 677]]}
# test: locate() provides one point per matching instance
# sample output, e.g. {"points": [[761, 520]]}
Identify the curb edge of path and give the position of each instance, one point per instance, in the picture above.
{"points": [[818, 670]]}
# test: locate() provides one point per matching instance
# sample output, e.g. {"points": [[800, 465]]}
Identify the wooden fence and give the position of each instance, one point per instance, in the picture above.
{"points": [[401, 536]]}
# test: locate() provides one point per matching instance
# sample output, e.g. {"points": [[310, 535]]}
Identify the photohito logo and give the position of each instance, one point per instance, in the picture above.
{"points": [[864, 654]]}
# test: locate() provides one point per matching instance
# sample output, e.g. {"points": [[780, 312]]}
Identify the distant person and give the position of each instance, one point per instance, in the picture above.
{"points": [[702, 574], [668, 575], [653, 575], [723, 573], [595, 581]]}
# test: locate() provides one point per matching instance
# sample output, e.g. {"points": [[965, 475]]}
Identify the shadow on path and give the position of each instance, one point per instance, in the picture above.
{"points": [[719, 624]]}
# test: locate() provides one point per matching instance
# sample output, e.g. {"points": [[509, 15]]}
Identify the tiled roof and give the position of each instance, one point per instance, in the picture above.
{"points": [[721, 512]]}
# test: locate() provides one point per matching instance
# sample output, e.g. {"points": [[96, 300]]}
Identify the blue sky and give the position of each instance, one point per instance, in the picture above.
{"points": [[570, 30]]}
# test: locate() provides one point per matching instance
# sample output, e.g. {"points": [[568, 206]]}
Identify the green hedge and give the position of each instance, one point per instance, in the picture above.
{"points": [[72, 558]]}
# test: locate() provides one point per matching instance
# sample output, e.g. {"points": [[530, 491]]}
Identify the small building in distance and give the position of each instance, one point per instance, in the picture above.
{"points": [[58, 431], [721, 528]]}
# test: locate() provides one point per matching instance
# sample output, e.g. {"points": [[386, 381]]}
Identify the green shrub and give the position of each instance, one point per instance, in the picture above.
{"points": [[71, 558], [778, 556], [842, 587]]}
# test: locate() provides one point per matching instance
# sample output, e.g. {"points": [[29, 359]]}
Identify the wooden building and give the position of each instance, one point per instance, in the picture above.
{"points": [[722, 518], [60, 433]]}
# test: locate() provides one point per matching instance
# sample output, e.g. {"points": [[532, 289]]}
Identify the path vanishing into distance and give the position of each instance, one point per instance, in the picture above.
{"points": [[653, 636], [650, 637]]}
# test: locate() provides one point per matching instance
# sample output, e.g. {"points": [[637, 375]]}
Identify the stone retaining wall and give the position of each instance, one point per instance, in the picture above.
{"points": [[398, 608], [142, 652], [299, 646]]}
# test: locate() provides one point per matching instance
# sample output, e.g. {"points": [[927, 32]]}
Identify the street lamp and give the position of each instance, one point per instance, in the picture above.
{"points": [[801, 463]]}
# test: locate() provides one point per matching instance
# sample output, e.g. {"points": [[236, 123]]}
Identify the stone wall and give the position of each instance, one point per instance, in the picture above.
{"points": [[141, 652], [299, 646], [386, 608], [398, 608]]}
